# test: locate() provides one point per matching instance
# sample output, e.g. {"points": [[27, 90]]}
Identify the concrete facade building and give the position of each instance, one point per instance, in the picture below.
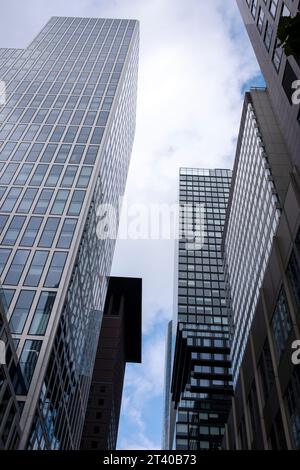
{"points": [[261, 18], [119, 343], [265, 411]]}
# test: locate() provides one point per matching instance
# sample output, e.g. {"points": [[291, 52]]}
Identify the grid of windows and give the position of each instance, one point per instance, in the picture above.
{"points": [[266, 14], [66, 134], [203, 310], [252, 222]]}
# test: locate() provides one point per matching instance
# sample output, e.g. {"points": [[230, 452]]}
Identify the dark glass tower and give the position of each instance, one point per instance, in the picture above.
{"points": [[66, 134], [201, 380], [261, 18]]}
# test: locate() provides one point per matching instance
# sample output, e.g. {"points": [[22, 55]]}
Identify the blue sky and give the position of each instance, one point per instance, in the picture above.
{"points": [[195, 64]]}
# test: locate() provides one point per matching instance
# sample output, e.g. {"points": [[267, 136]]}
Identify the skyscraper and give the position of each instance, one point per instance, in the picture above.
{"points": [[66, 136], [201, 379], [265, 412], [120, 342], [261, 241], [261, 18], [260, 181]]}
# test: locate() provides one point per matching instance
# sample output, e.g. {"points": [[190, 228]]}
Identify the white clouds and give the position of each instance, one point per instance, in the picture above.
{"points": [[189, 105], [143, 384], [194, 60], [140, 442]]}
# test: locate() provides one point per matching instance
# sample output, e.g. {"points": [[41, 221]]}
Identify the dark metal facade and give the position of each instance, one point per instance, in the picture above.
{"points": [[201, 380]]}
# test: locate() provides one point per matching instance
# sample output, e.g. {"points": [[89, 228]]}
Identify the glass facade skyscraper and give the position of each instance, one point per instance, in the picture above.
{"points": [[201, 379], [259, 185], [66, 134]]}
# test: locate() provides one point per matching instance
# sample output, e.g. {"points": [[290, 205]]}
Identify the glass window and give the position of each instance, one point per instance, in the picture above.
{"points": [[266, 372], [34, 152], [44, 133], [11, 199], [65, 238], [3, 220], [91, 155], [292, 398], [42, 313], [49, 153], [63, 153], [27, 200], [52, 118], [65, 117], [84, 177], [281, 323], [76, 203], [4, 255], [9, 173], [57, 134], [102, 119], [97, 135], [29, 359], [77, 154], [7, 151], [293, 273], [20, 152], [43, 201], [38, 175], [273, 7], [31, 231], [268, 35], [36, 268], [23, 174], [277, 55], [54, 175], [21, 311], [56, 269], [16, 268], [90, 118], [49, 232], [69, 176], [40, 116], [8, 296], [13, 230], [71, 134], [60, 202]]}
